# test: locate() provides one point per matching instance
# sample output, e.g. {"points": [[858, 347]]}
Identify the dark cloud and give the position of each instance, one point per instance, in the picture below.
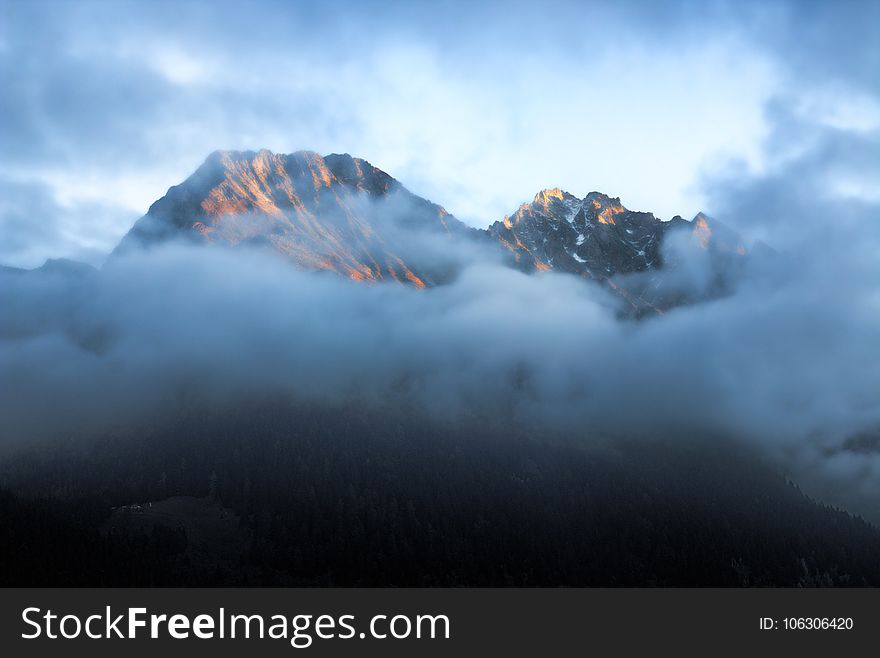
{"points": [[821, 190], [65, 105], [36, 227]]}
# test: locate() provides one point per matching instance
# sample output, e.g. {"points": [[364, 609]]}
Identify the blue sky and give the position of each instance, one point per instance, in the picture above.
{"points": [[476, 106]]}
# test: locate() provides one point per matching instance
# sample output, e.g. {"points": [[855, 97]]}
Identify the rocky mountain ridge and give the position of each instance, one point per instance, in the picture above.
{"points": [[342, 214]]}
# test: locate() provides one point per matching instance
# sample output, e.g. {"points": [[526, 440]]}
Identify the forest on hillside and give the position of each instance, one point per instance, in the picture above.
{"points": [[277, 493]]}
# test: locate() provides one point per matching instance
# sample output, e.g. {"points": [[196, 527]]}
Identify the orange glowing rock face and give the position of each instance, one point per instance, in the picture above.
{"points": [[607, 215], [546, 197], [607, 212], [413, 279], [702, 232], [201, 228], [245, 188], [355, 275]]}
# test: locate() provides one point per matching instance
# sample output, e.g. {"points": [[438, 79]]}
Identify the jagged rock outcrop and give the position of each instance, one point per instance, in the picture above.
{"points": [[598, 238]]}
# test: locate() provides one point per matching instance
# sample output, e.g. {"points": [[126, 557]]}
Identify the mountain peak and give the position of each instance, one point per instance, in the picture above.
{"points": [[335, 213], [712, 234], [599, 238], [548, 195], [603, 207], [602, 198]]}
